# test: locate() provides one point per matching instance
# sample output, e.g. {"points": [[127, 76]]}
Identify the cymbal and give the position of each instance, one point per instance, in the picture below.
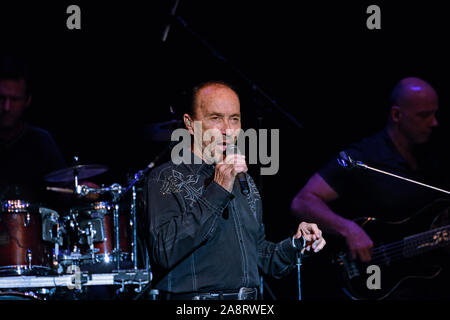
{"points": [[162, 131], [67, 174]]}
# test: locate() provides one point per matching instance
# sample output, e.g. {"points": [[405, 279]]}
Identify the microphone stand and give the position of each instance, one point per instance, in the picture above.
{"points": [[348, 163], [299, 245], [299, 263], [172, 14], [259, 125]]}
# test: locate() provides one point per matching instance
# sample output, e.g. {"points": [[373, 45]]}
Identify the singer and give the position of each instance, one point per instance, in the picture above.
{"points": [[206, 237]]}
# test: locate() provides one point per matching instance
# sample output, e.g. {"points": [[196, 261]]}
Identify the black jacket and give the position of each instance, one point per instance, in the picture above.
{"points": [[203, 238]]}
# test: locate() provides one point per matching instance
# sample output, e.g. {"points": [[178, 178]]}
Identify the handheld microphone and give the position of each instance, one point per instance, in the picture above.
{"points": [[242, 178]]}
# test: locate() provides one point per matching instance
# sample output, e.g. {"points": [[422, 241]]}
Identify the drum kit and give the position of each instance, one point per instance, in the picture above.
{"points": [[95, 243], [61, 254]]}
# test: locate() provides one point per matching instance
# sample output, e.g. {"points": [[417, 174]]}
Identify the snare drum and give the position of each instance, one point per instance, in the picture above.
{"points": [[22, 249]]}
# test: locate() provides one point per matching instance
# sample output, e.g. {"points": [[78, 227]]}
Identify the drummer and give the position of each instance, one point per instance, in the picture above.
{"points": [[27, 152]]}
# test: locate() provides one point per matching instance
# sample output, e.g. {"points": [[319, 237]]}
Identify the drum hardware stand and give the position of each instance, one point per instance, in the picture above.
{"points": [[116, 251], [52, 232], [90, 235], [132, 186], [75, 277], [116, 191], [75, 176], [57, 243], [140, 278], [133, 221], [74, 257], [29, 258], [26, 223], [137, 177]]}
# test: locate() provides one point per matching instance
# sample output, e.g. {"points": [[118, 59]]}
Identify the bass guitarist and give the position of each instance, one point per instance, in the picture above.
{"points": [[334, 196]]}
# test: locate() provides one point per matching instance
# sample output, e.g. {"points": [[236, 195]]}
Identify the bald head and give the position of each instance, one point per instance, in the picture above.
{"points": [[410, 92], [414, 104]]}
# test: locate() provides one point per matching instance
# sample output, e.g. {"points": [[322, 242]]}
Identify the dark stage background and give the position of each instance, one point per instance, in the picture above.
{"points": [[99, 88]]}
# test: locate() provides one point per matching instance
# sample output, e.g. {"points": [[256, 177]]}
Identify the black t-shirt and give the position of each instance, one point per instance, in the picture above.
{"points": [[25, 161], [363, 192]]}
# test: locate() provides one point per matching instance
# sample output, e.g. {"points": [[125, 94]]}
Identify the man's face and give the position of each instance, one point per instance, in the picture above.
{"points": [[217, 108], [418, 118], [13, 102]]}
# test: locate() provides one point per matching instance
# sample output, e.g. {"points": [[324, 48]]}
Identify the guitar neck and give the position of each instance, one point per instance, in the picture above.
{"points": [[413, 245], [426, 241]]}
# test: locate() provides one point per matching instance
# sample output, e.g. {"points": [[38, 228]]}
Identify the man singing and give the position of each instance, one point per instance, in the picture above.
{"points": [[206, 238]]}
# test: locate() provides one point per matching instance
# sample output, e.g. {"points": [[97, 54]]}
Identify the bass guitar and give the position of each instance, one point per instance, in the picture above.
{"points": [[402, 252]]}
